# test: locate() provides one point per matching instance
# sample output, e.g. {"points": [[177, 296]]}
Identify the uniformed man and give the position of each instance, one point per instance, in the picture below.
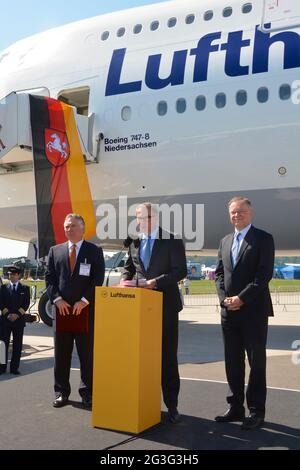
{"points": [[14, 301]]}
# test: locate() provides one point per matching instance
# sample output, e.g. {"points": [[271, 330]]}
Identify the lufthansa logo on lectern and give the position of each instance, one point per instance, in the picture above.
{"points": [[119, 295], [104, 294]]}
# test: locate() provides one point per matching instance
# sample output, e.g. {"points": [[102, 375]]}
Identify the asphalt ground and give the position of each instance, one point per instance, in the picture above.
{"points": [[28, 420]]}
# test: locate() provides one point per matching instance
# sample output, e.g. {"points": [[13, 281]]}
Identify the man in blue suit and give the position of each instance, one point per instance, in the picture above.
{"points": [[74, 269], [159, 257], [244, 270]]}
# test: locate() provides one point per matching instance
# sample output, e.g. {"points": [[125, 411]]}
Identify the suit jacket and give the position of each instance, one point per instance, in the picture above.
{"points": [[167, 266], [72, 287], [15, 303], [250, 277]]}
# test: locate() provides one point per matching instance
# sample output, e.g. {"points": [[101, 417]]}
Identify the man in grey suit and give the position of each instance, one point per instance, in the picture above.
{"points": [[244, 269], [74, 269], [159, 257]]}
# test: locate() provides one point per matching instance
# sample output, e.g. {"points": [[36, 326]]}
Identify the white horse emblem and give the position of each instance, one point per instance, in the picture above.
{"points": [[57, 145]]}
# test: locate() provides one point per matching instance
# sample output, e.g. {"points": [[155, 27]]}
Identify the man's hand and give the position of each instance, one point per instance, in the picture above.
{"points": [[63, 306], [12, 317], [78, 307], [233, 303], [151, 284]]}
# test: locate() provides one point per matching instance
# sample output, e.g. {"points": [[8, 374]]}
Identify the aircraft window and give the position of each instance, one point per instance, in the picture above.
{"points": [[247, 8], [190, 19], [77, 97], [154, 25], [126, 113], [162, 108], [181, 106], [137, 29], [208, 15], [200, 103], [241, 97], [227, 12], [120, 32], [105, 36], [262, 95], [220, 100], [172, 22], [285, 92]]}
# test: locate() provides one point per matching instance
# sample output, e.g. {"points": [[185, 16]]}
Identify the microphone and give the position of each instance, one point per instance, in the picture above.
{"points": [[126, 244], [136, 280]]}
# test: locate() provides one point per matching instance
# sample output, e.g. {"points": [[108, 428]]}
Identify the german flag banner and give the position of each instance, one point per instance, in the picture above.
{"points": [[61, 180]]}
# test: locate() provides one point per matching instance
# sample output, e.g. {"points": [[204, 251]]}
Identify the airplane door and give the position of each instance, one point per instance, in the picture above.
{"points": [[282, 14]]}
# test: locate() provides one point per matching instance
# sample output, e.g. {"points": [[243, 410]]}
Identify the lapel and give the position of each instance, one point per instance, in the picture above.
{"points": [[82, 254], [135, 253], [155, 248], [137, 246], [65, 253], [227, 251], [9, 289]]}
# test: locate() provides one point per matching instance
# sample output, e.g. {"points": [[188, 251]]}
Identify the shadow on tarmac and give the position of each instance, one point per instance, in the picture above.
{"points": [[199, 343], [202, 434]]}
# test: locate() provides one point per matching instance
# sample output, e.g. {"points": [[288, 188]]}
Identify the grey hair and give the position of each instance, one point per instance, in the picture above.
{"points": [[152, 208], [239, 199], [77, 217]]}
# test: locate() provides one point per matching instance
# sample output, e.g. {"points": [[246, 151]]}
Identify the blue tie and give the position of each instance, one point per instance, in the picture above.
{"points": [[235, 249], [147, 253]]}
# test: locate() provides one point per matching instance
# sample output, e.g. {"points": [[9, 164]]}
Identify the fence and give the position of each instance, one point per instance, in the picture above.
{"points": [[280, 296]]}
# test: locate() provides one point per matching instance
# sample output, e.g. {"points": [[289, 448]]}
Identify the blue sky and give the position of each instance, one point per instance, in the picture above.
{"points": [[22, 18]]}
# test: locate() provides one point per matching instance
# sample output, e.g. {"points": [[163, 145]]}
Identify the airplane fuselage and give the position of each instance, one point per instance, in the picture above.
{"points": [[194, 113]]}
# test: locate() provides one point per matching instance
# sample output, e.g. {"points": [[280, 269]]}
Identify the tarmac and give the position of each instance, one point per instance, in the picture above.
{"points": [[29, 421]]}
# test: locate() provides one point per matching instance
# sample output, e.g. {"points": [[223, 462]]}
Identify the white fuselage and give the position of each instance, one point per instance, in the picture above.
{"points": [[194, 113]]}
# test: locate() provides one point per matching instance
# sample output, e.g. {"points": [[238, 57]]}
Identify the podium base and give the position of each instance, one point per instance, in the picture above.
{"points": [[127, 359]]}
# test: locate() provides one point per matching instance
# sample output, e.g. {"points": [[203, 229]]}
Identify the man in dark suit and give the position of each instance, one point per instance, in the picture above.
{"points": [[14, 301], [159, 257], [244, 269], [74, 269]]}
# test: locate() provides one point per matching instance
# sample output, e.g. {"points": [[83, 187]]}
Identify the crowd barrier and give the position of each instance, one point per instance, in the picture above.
{"points": [[280, 296]]}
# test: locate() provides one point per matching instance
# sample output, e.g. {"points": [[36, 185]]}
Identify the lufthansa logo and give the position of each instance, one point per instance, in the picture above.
{"points": [[104, 294]]}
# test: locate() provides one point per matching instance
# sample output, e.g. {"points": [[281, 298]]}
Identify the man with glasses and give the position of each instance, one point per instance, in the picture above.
{"points": [[159, 257], [244, 269]]}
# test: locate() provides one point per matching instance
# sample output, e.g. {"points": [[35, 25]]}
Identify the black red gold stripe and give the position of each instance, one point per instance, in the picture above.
{"points": [[63, 189]]}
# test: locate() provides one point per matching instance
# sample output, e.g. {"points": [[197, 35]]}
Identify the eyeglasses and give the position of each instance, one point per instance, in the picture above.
{"points": [[239, 212], [144, 218]]}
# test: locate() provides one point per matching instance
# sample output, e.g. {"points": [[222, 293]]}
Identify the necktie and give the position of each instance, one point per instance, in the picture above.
{"points": [[235, 248], [72, 257], [14, 289], [147, 253]]}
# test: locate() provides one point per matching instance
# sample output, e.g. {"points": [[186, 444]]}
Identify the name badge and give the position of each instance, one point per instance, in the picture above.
{"points": [[85, 269]]}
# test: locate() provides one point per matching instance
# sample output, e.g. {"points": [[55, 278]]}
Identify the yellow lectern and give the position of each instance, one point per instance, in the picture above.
{"points": [[127, 359]]}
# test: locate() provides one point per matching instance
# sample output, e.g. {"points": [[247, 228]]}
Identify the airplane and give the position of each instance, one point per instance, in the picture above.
{"points": [[187, 103]]}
